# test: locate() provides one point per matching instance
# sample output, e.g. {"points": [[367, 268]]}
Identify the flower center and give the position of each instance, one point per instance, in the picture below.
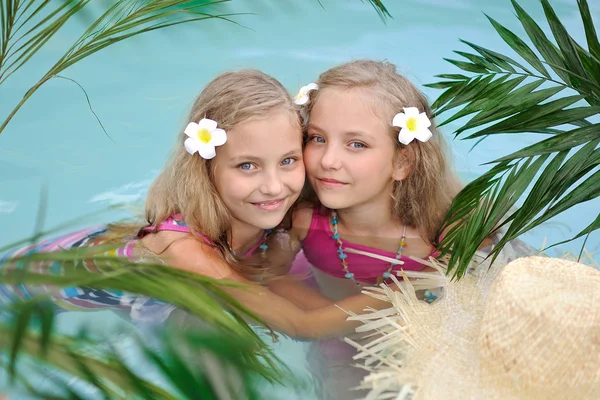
{"points": [[204, 135], [411, 124]]}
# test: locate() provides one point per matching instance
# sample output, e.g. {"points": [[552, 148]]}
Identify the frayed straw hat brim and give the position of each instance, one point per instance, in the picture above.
{"points": [[526, 329]]}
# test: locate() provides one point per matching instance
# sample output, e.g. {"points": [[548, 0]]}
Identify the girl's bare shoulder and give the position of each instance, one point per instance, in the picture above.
{"points": [[184, 251]]}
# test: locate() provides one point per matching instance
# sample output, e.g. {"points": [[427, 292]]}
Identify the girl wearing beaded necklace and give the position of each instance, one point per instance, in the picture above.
{"points": [[380, 184], [380, 171], [378, 168]]}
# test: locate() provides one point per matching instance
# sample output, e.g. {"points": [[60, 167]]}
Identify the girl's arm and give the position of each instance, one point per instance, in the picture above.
{"points": [[299, 293], [276, 311], [283, 259]]}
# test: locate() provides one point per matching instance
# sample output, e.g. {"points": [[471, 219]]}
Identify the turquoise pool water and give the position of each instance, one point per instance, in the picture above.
{"points": [[141, 89]]}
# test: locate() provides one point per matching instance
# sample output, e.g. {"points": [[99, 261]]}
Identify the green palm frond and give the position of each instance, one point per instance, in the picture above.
{"points": [[27, 25], [553, 91], [381, 9], [191, 365], [201, 296]]}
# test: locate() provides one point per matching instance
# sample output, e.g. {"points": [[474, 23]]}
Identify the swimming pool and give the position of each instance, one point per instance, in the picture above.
{"points": [[141, 89]]}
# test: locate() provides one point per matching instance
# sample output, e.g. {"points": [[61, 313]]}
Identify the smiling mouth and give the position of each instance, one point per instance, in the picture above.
{"points": [[271, 205], [331, 182]]}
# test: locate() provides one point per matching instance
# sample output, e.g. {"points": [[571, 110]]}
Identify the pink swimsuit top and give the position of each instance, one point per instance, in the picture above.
{"points": [[177, 224], [321, 251]]}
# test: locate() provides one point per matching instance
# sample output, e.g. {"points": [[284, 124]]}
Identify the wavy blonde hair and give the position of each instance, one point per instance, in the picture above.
{"points": [[423, 197], [186, 184]]}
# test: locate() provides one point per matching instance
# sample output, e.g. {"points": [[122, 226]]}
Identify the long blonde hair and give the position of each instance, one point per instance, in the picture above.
{"points": [[423, 197], [186, 184]]}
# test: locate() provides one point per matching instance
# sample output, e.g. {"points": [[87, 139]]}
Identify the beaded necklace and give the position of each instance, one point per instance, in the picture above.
{"points": [[342, 255], [263, 246]]}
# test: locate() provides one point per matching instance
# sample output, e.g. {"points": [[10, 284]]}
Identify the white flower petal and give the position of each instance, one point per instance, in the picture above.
{"points": [[405, 136], [423, 121], [411, 111], [423, 135], [219, 137], [207, 151], [301, 100], [208, 124], [191, 145], [400, 120], [311, 86], [191, 129], [302, 96]]}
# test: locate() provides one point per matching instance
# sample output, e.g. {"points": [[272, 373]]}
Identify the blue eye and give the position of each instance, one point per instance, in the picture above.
{"points": [[357, 145], [288, 161], [246, 166], [317, 139]]}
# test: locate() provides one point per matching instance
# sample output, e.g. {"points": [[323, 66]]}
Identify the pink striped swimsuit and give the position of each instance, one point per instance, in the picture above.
{"points": [[78, 298], [322, 252]]}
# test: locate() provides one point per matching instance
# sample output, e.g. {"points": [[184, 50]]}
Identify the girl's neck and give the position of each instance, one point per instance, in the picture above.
{"points": [[242, 236], [372, 218]]}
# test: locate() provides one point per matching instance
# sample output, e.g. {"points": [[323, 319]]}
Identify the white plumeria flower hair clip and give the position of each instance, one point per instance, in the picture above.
{"points": [[204, 136], [302, 96], [413, 125]]}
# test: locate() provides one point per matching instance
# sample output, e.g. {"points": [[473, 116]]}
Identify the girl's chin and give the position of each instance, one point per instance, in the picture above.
{"points": [[333, 202], [268, 221]]}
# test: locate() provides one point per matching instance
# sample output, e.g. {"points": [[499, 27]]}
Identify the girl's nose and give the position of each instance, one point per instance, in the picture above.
{"points": [[330, 159], [271, 184]]}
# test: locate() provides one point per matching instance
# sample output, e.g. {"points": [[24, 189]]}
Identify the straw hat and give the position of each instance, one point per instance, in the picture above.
{"points": [[529, 330]]}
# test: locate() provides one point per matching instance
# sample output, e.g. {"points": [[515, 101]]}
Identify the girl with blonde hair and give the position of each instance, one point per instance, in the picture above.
{"points": [[234, 173], [380, 184], [380, 172]]}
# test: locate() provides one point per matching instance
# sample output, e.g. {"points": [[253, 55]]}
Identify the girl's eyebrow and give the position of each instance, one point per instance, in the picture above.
{"points": [[244, 158], [249, 157], [316, 128], [357, 133], [292, 152], [348, 134]]}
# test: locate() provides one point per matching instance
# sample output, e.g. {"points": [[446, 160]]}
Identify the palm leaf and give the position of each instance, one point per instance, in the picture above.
{"points": [[22, 35], [380, 8], [233, 342], [196, 293], [41, 275], [590, 31], [97, 363], [553, 90]]}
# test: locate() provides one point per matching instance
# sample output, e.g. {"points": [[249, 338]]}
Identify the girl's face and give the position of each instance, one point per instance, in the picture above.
{"points": [[259, 172], [349, 156]]}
